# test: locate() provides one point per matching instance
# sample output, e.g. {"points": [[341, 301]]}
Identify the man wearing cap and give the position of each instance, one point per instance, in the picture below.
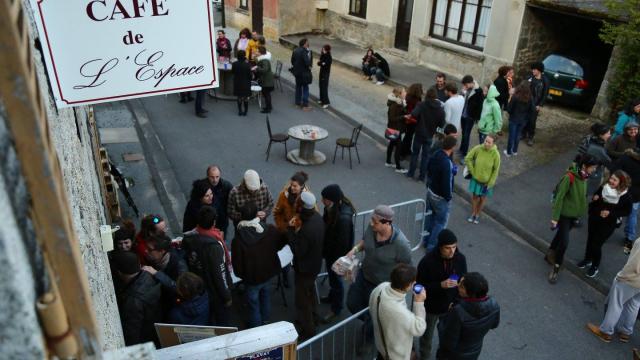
{"points": [[138, 299], [439, 272], [338, 240], [305, 238], [384, 246], [252, 189]]}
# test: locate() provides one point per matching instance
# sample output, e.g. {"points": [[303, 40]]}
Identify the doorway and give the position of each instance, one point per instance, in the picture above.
{"points": [[256, 15], [403, 25]]}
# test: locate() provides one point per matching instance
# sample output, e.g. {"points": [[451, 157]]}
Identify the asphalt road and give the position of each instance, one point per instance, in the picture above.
{"points": [[539, 320]]}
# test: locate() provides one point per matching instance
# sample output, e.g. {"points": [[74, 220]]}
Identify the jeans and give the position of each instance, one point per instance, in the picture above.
{"points": [[324, 89], [426, 340], [632, 221], [529, 130], [199, 101], [358, 299], [373, 70], [622, 309], [561, 239], [419, 146], [336, 290], [259, 300], [514, 138], [437, 220], [467, 126], [394, 144], [302, 93]]}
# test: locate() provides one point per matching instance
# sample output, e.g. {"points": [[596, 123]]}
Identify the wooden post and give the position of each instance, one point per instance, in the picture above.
{"points": [[50, 213]]}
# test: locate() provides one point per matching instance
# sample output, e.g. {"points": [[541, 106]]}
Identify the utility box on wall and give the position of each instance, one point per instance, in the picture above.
{"points": [[322, 4]]}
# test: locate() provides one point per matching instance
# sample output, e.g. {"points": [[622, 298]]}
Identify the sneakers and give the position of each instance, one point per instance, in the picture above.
{"points": [[325, 106], [592, 272], [624, 337], [470, 219], [628, 244], [514, 154], [583, 264], [402, 171], [506, 153], [530, 142], [476, 220], [388, 164], [553, 274], [596, 331], [379, 82]]}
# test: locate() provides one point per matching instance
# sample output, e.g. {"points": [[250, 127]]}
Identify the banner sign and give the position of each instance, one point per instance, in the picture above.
{"points": [[107, 50]]}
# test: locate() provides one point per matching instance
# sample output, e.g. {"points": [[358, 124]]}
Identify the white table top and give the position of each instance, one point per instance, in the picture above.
{"points": [[308, 132]]}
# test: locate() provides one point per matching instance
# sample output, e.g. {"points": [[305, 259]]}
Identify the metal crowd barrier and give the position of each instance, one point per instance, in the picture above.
{"points": [[409, 217]]}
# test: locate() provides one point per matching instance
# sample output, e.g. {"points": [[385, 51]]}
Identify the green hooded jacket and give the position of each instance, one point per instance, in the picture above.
{"points": [[484, 164], [491, 117], [570, 199]]}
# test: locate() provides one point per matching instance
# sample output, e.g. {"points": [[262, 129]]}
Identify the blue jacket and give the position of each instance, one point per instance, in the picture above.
{"points": [[623, 119], [192, 312], [440, 173]]}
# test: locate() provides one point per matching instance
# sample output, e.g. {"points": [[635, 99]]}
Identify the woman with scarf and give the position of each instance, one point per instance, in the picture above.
{"points": [[201, 194], [610, 203], [223, 46], [395, 121], [415, 92], [288, 207], [242, 42]]}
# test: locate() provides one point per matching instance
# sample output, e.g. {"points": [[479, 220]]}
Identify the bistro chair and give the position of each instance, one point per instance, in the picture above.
{"points": [[349, 143], [276, 138], [277, 75]]}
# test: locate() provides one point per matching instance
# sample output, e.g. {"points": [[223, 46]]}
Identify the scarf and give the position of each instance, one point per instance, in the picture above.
{"points": [[242, 44], [610, 195], [216, 234], [255, 223]]}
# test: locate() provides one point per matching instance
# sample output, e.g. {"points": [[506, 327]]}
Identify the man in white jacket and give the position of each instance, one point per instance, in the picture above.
{"points": [[394, 325], [454, 106]]}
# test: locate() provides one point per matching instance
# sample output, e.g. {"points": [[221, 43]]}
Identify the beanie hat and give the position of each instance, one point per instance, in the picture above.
{"points": [[599, 129], [308, 200], [332, 193], [252, 180], [126, 262], [383, 212], [446, 237], [631, 124]]}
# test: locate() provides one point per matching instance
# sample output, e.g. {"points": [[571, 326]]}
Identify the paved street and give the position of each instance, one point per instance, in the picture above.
{"points": [[539, 321]]}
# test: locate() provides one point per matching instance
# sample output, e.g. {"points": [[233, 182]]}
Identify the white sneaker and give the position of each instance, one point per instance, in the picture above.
{"points": [[379, 82], [388, 164], [515, 154], [506, 153], [325, 106], [402, 171]]}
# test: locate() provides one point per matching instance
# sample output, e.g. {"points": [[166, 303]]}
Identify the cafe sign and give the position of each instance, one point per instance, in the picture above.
{"points": [[107, 50]]}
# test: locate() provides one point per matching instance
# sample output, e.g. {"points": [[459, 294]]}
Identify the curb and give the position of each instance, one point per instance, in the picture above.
{"points": [[171, 196], [291, 45]]}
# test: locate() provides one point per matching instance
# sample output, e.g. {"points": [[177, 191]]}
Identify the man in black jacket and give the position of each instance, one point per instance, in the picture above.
{"points": [[166, 266], [301, 61], [221, 189], [430, 116], [539, 91], [255, 260], [206, 257], [473, 99], [462, 330], [338, 240], [439, 271], [138, 299], [306, 240]]}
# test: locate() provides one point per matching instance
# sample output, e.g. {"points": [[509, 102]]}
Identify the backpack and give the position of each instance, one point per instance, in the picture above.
{"points": [[572, 178]]}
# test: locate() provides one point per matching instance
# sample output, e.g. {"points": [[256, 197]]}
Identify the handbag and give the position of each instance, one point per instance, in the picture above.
{"points": [[391, 134]]}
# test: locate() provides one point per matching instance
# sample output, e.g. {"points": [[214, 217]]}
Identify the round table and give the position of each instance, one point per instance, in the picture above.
{"points": [[306, 154]]}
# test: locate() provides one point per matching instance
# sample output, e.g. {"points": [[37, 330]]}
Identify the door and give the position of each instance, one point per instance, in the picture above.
{"points": [[403, 25], [256, 15]]}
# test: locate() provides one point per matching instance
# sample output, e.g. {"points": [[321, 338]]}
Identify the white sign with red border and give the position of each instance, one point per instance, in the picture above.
{"points": [[107, 50]]}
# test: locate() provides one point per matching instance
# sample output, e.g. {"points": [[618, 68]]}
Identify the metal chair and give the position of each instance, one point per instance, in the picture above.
{"points": [[276, 138], [349, 143], [277, 75]]}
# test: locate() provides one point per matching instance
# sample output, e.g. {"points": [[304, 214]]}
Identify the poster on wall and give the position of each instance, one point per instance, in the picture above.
{"points": [[108, 50]]}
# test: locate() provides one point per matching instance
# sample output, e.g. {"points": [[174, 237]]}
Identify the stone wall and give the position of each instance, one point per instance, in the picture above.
{"points": [[358, 31], [537, 40], [602, 107], [22, 278], [71, 138], [297, 16]]}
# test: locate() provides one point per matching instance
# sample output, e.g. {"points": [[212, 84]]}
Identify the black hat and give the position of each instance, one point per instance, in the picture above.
{"points": [[537, 66], [332, 193], [447, 237], [126, 262], [599, 128]]}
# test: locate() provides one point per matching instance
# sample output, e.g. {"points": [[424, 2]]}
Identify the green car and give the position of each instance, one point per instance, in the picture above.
{"points": [[567, 81]]}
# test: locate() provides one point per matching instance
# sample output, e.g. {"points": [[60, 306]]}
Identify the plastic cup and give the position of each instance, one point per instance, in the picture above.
{"points": [[417, 288], [454, 277]]}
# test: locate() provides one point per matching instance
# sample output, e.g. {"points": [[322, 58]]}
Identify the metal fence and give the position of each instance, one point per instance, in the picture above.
{"points": [[345, 339]]}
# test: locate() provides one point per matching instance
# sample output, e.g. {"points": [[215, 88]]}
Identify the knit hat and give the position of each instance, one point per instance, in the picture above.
{"points": [[308, 200], [126, 262], [383, 212], [446, 237], [332, 193], [599, 129], [252, 180], [631, 124]]}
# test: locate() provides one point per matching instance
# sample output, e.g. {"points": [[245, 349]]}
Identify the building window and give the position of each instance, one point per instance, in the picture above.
{"points": [[358, 8], [464, 22], [244, 4]]}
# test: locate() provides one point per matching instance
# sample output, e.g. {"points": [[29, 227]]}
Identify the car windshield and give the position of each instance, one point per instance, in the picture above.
{"points": [[563, 65]]}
